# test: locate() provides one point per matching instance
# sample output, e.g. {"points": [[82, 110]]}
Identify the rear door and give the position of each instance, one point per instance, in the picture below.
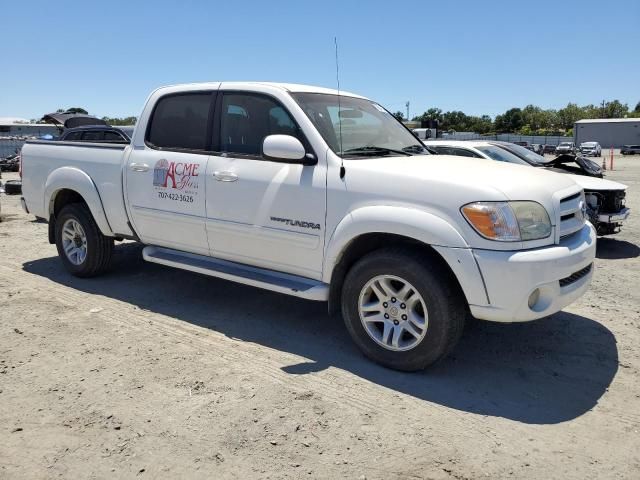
{"points": [[165, 174], [261, 212]]}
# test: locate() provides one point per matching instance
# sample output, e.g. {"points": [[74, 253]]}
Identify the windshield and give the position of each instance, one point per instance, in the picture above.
{"points": [[566, 144], [501, 155], [368, 130], [525, 154]]}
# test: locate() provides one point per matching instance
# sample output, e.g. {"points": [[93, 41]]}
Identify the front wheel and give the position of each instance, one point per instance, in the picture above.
{"points": [[84, 250], [403, 310]]}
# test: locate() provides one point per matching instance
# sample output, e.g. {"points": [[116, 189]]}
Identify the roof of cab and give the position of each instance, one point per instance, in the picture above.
{"points": [[288, 87]]}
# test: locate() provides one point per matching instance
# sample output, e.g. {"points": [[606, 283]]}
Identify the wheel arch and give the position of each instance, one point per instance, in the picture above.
{"points": [[372, 228], [71, 185]]}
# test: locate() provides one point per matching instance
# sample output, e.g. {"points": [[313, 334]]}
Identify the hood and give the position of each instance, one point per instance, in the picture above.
{"points": [[451, 179], [443, 184], [592, 183]]}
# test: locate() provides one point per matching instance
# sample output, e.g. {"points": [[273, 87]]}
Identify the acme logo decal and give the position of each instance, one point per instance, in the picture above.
{"points": [[296, 223], [177, 175]]}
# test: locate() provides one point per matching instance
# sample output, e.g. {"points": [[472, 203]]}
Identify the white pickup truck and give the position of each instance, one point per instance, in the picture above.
{"points": [[324, 196]]}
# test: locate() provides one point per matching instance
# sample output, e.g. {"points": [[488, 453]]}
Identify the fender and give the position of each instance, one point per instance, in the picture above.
{"points": [[418, 225], [75, 179]]}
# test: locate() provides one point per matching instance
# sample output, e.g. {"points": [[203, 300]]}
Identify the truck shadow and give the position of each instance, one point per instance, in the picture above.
{"points": [[543, 372], [614, 249]]}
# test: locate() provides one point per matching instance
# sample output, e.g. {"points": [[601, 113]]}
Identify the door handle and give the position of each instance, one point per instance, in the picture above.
{"points": [[225, 176], [139, 167]]}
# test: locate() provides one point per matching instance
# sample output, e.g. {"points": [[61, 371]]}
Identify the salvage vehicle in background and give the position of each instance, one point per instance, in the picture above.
{"points": [[323, 196], [590, 149], [630, 149], [548, 149], [565, 147], [526, 145], [10, 163], [563, 163], [97, 133], [605, 199]]}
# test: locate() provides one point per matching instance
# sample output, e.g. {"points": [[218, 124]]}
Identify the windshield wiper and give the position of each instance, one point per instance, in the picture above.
{"points": [[372, 150], [416, 149]]}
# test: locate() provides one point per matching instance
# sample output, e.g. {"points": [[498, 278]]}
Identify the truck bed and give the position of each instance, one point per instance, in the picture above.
{"points": [[102, 162]]}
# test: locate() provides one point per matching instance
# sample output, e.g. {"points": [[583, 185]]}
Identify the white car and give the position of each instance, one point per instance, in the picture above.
{"points": [[327, 197], [590, 149], [605, 199]]}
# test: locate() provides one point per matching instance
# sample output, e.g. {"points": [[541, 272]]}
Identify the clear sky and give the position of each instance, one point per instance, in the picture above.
{"points": [[481, 57]]}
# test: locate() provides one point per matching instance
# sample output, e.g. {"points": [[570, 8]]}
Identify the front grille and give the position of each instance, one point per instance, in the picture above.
{"points": [[571, 218], [574, 277]]}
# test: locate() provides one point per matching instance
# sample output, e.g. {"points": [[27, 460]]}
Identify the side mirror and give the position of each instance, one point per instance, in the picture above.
{"points": [[287, 149]]}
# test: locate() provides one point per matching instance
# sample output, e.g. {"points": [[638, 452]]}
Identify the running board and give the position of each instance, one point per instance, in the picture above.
{"points": [[237, 272]]}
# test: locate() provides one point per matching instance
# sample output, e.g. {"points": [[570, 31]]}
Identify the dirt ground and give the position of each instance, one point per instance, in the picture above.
{"points": [[152, 372]]}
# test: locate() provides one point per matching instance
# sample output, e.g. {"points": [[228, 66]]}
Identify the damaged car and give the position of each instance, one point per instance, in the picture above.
{"points": [[605, 199]]}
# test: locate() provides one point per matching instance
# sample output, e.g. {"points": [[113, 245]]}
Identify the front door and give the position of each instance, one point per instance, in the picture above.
{"points": [[261, 212], [165, 176]]}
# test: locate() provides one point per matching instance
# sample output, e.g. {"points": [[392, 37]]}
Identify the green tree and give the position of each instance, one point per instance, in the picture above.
{"points": [[509, 121], [637, 109], [431, 114], [569, 115], [78, 110], [455, 120], [120, 121], [73, 110], [482, 124], [615, 109], [399, 115]]}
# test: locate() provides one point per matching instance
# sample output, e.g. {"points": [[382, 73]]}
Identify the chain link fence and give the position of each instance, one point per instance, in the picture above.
{"points": [[510, 137]]}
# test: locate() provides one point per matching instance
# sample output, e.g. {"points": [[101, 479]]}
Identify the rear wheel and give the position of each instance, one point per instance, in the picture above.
{"points": [[84, 250], [402, 311]]}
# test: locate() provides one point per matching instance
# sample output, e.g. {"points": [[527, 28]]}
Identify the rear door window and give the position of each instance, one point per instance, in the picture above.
{"points": [[180, 122]]}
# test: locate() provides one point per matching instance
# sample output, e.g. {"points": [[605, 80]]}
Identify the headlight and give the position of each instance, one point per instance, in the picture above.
{"points": [[508, 221]]}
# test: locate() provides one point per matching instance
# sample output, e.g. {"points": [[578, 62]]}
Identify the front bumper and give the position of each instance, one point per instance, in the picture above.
{"points": [[560, 273], [618, 217]]}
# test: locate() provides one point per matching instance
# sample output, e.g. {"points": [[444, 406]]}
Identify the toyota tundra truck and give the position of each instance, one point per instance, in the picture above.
{"points": [[322, 195]]}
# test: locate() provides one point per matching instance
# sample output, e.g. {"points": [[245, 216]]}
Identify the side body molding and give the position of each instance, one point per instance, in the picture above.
{"points": [[71, 178], [416, 224]]}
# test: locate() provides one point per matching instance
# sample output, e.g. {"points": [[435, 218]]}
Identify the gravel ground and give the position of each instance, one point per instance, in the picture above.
{"points": [[159, 373]]}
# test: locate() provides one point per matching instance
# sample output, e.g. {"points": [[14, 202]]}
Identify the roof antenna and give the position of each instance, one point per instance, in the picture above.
{"points": [[342, 170]]}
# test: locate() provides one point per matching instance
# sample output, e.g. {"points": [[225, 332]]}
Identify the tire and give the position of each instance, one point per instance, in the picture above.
{"points": [[13, 187], [437, 293], [75, 221]]}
